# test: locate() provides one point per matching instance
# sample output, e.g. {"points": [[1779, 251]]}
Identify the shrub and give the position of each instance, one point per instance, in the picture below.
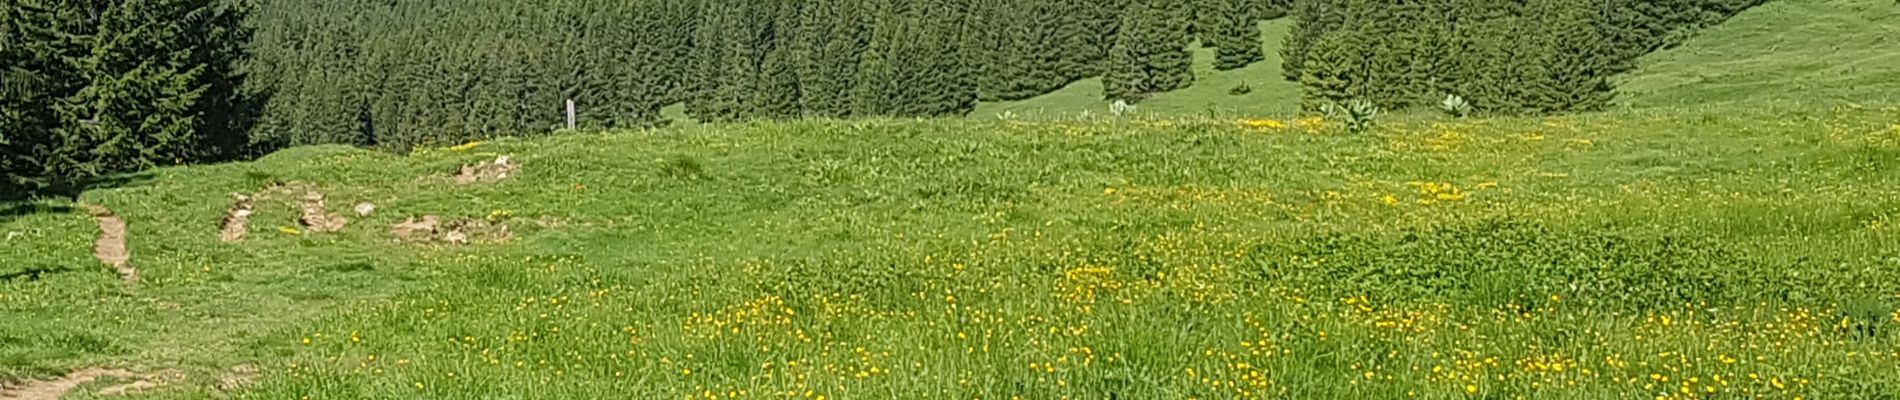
{"points": [[1241, 89], [1356, 115], [1455, 106], [683, 167]]}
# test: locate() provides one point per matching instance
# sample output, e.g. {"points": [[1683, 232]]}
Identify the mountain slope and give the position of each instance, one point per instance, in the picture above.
{"points": [[1796, 52], [1271, 95]]}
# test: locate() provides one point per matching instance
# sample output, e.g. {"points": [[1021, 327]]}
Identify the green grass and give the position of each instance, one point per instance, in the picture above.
{"points": [[1585, 257], [1800, 53], [1272, 94]]}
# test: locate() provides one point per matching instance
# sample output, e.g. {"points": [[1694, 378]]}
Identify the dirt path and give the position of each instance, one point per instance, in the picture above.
{"points": [[53, 389], [110, 248]]}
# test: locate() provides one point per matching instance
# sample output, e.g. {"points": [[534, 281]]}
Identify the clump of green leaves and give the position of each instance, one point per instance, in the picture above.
{"points": [[1455, 106], [683, 167], [1241, 89], [1356, 115]]}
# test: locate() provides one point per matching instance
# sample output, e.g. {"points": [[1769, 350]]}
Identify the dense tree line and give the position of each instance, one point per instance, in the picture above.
{"points": [[96, 87], [1502, 56], [400, 73]]}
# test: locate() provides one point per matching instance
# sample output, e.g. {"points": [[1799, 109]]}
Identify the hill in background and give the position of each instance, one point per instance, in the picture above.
{"points": [[1788, 51]]}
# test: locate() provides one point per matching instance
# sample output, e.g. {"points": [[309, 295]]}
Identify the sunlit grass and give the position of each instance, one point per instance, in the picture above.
{"points": [[1625, 255]]}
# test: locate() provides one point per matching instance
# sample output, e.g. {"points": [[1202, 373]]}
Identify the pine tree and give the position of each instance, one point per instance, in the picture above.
{"points": [[1127, 76], [1575, 59], [1169, 59], [877, 89], [775, 92], [1234, 33], [952, 88], [1331, 73], [724, 64], [121, 86], [1150, 54], [830, 40]]}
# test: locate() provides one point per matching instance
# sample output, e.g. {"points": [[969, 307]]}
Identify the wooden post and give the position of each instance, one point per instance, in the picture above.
{"points": [[570, 114]]}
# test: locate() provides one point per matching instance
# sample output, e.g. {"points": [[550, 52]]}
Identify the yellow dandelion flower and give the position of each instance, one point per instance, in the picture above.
{"points": [[1264, 123]]}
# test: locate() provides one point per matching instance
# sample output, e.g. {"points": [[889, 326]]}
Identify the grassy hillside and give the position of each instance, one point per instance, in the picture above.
{"points": [[1272, 94], [1788, 52], [1604, 256]]}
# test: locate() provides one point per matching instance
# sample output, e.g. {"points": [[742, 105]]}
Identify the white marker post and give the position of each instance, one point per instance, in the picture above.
{"points": [[570, 114]]}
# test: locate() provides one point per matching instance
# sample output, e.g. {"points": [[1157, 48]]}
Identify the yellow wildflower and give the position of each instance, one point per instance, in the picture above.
{"points": [[1263, 123]]}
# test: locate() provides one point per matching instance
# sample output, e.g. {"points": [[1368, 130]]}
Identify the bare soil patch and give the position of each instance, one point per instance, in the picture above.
{"points": [[110, 248], [237, 220], [486, 172], [56, 388], [433, 229], [314, 214]]}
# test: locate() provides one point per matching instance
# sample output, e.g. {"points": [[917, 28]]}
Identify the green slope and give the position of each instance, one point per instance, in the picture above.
{"points": [[1271, 94], [1790, 52], [1115, 255]]}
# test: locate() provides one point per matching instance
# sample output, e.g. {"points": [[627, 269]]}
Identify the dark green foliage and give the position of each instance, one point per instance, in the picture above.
{"points": [[1502, 56], [1150, 54], [96, 88], [1312, 20], [915, 65], [1232, 28], [405, 73], [831, 39], [1508, 262]]}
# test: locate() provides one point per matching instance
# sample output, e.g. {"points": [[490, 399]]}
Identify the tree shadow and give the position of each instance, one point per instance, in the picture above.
{"points": [[35, 273], [59, 199]]}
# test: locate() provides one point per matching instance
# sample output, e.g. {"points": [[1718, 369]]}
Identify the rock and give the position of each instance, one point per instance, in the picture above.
{"points": [[416, 230]]}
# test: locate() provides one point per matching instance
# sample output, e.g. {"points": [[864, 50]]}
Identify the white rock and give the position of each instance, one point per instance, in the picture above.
{"points": [[363, 210]]}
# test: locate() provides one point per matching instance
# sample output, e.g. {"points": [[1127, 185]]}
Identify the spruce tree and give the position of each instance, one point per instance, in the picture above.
{"points": [[1234, 33], [826, 51], [1575, 59], [1150, 54], [775, 91], [1167, 49], [724, 66], [877, 89], [1331, 70], [1312, 20], [110, 87]]}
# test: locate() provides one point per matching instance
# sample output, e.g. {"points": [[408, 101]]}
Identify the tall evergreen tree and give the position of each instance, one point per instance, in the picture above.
{"points": [[1576, 60], [1233, 30], [1150, 54], [775, 91], [121, 86], [826, 52]]}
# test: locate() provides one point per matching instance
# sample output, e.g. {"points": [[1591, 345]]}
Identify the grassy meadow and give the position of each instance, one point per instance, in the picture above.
{"points": [[1612, 256], [1730, 231], [1799, 53]]}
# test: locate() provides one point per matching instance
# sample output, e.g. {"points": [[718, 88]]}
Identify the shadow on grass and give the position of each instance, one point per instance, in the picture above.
{"points": [[34, 273], [16, 203]]}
